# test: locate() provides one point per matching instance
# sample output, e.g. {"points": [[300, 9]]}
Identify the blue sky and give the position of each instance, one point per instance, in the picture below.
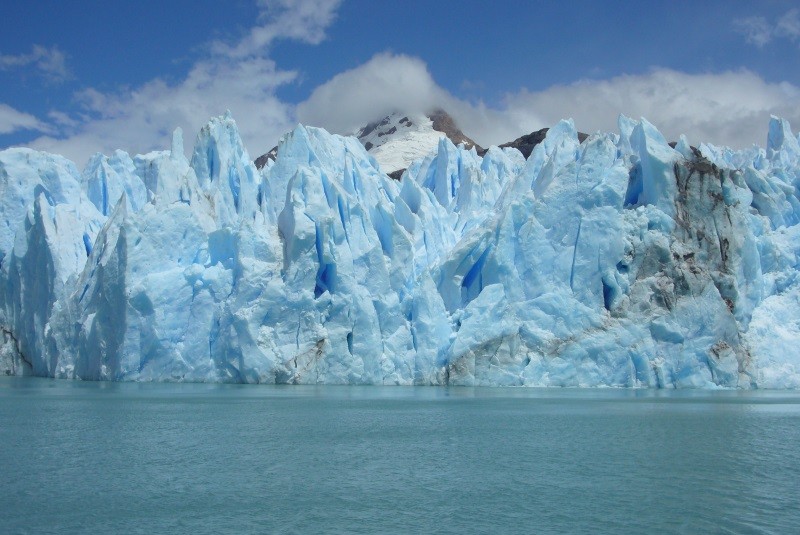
{"points": [[84, 76]]}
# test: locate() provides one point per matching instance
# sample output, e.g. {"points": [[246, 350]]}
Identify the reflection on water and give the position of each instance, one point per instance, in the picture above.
{"points": [[188, 458]]}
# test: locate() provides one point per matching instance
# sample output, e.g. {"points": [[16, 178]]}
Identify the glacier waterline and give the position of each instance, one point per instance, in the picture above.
{"points": [[618, 261], [192, 458]]}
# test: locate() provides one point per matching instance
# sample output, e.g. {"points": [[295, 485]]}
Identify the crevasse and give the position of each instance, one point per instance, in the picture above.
{"points": [[619, 261]]}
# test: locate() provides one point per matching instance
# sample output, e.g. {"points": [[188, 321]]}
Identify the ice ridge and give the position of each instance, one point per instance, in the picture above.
{"points": [[613, 261]]}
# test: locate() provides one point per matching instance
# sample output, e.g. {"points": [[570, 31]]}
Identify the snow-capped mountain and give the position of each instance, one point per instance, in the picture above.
{"points": [[617, 260], [398, 139]]}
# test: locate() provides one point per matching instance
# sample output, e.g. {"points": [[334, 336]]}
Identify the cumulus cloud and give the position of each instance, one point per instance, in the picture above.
{"points": [[393, 82], [51, 63], [730, 108], [759, 31], [238, 76], [12, 120], [384, 84], [142, 119]]}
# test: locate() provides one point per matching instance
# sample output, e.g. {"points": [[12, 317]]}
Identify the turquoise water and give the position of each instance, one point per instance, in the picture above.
{"points": [[163, 458]]}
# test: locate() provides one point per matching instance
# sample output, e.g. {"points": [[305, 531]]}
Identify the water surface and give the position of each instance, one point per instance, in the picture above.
{"points": [[80, 457]]}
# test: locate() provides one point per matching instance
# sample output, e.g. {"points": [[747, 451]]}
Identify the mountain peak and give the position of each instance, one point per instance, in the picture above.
{"points": [[442, 122], [400, 138]]}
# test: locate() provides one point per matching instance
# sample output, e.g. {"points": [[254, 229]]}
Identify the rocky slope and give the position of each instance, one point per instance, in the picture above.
{"points": [[400, 138]]}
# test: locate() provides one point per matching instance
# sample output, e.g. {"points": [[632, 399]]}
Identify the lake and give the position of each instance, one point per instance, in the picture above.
{"points": [[79, 457]]}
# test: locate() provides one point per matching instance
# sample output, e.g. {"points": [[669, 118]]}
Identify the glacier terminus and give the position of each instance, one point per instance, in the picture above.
{"points": [[620, 260]]}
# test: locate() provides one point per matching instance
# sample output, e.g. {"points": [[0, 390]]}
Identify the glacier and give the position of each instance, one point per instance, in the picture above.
{"points": [[620, 261]]}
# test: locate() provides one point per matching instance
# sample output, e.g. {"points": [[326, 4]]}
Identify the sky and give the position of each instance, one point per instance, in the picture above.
{"points": [[90, 76]]}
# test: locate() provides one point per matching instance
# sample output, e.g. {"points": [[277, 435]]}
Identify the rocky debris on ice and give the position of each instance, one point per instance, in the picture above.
{"points": [[611, 260]]}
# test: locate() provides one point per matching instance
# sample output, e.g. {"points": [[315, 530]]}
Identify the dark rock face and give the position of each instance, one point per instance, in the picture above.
{"points": [[526, 143], [367, 130], [442, 122], [262, 160]]}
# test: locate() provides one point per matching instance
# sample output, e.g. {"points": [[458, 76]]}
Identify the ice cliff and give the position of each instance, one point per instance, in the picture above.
{"points": [[617, 261]]}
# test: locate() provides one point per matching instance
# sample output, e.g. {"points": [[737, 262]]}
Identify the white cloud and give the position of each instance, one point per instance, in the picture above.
{"points": [[142, 119], [730, 108], [789, 25], [301, 20], [395, 82], [49, 62], [756, 30], [238, 77], [12, 120], [385, 83], [759, 32]]}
